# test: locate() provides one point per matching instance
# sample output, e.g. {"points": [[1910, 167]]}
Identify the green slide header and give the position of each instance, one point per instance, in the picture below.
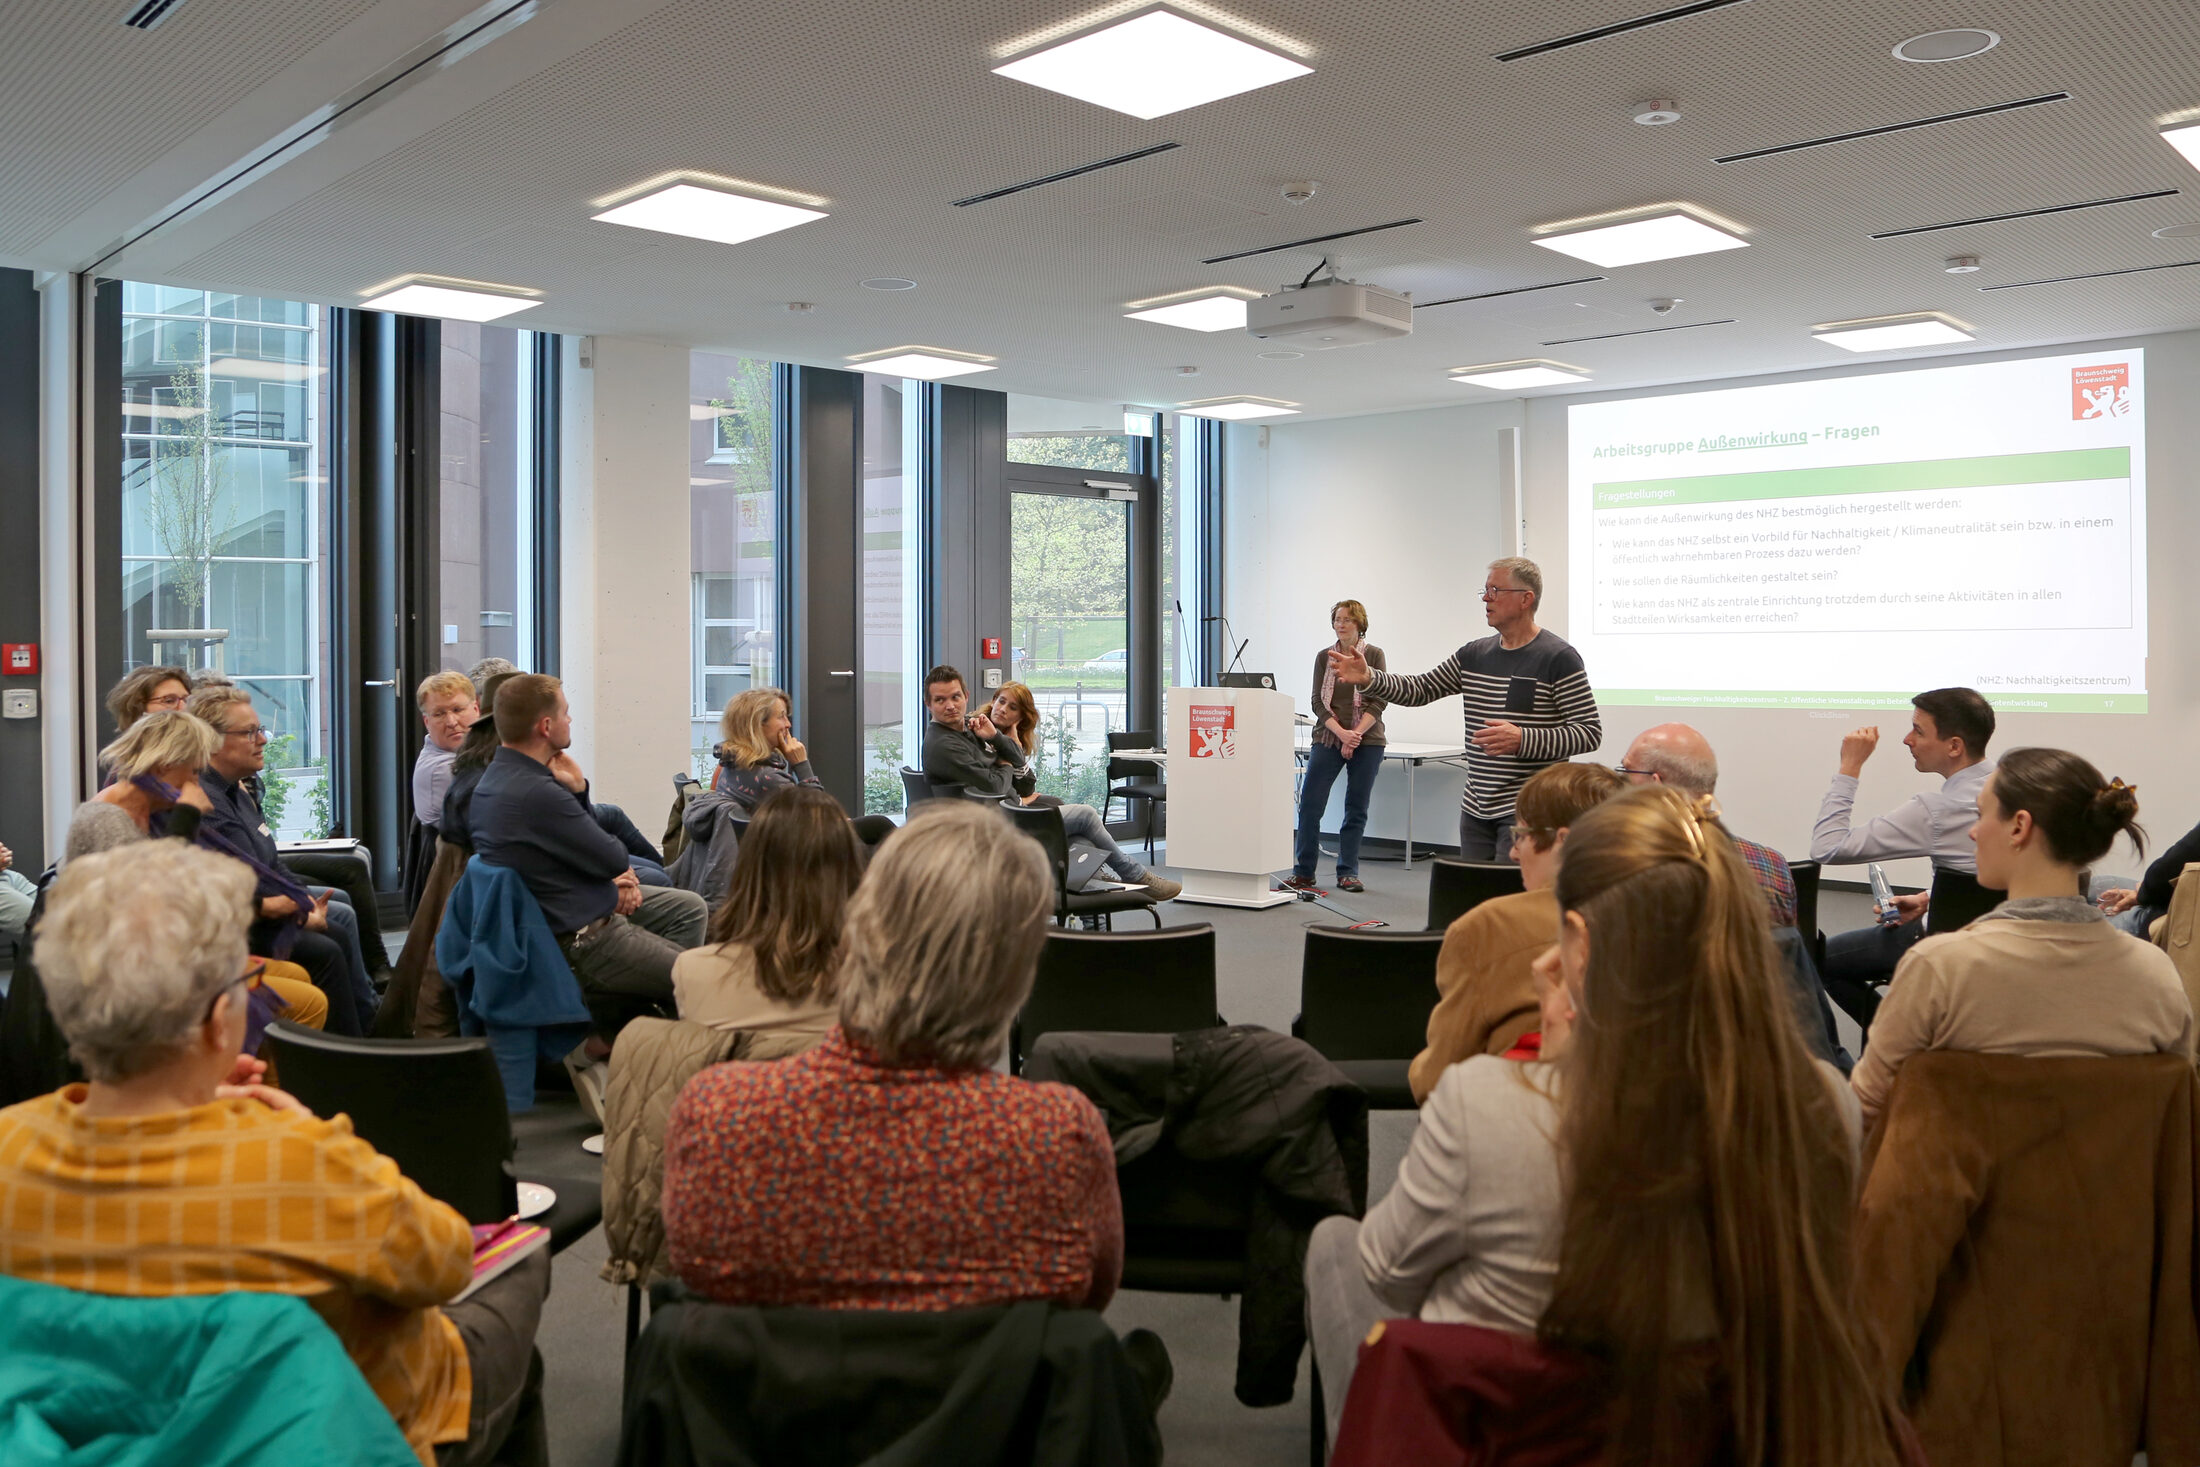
{"points": [[2070, 466]]}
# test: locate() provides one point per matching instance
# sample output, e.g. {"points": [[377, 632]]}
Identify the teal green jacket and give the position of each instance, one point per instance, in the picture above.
{"points": [[223, 1378]]}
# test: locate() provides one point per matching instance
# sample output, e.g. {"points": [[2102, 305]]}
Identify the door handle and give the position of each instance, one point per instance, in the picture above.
{"points": [[841, 672], [385, 683]]}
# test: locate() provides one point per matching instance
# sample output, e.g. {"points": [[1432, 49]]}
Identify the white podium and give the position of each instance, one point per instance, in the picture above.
{"points": [[1232, 808]]}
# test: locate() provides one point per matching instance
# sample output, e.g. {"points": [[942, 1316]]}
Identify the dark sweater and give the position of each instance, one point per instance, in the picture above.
{"points": [[2167, 867], [956, 756], [524, 820]]}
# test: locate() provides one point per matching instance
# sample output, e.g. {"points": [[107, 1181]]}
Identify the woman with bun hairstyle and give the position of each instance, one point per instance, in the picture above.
{"points": [[2044, 973]]}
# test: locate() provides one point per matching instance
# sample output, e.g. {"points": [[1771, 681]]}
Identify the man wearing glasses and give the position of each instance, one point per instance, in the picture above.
{"points": [[1524, 694], [328, 948]]}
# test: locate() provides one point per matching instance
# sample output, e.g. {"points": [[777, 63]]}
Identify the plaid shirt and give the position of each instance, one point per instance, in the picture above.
{"points": [[1771, 870], [234, 1195]]}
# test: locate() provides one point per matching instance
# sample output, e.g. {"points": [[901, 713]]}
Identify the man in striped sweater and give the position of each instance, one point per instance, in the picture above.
{"points": [[1525, 696]]}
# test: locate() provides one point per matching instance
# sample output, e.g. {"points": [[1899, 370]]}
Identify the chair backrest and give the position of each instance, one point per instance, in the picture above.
{"points": [[1456, 887], [436, 1107], [1159, 982], [1143, 738], [915, 788], [1043, 823], [1367, 995], [1805, 876], [1958, 900]]}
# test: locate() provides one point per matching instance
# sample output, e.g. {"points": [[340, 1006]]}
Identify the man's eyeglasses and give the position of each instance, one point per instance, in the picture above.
{"points": [[1489, 591], [256, 731], [1627, 773]]}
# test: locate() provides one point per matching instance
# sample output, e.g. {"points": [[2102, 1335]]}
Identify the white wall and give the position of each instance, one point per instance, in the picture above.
{"points": [[624, 568], [1399, 511]]}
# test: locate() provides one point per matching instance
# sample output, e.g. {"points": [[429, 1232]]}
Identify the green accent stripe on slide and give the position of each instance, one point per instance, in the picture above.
{"points": [[1999, 470], [2005, 702]]}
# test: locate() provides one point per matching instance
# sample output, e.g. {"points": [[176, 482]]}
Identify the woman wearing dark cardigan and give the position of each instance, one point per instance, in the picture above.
{"points": [[1348, 740]]}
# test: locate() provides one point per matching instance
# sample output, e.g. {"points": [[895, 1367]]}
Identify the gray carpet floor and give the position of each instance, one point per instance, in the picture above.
{"points": [[1203, 1425]]}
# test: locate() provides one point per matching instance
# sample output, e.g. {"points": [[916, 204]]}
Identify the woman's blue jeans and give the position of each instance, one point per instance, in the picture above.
{"points": [[1323, 764]]}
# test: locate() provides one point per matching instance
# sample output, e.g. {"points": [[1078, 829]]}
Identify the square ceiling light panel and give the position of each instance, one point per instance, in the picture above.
{"points": [[1237, 409], [1637, 241], [1153, 64], [920, 362], [2185, 138], [1890, 335], [441, 302], [707, 213], [1203, 313], [1513, 376]]}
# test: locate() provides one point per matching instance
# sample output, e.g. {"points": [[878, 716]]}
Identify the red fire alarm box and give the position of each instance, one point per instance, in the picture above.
{"points": [[20, 659], [992, 647]]}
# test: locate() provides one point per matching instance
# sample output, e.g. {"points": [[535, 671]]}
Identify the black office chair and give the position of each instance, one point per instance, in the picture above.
{"points": [[915, 789], [1364, 1003], [1457, 887], [1805, 875], [437, 1108], [1958, 900], [1157, 982], [1141, 780], [1043, 823]]}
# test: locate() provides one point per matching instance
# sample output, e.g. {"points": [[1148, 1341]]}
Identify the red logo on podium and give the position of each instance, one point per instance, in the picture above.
{"points": [[1214, 731]]}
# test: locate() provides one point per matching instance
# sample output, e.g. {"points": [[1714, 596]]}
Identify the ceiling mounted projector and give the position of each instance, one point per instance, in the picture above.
{"points": [[1329, 315]]}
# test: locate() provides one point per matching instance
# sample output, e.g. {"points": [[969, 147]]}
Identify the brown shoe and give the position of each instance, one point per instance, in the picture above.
{"points": [[1160, 888], [1350, 883], [1298, 883]]}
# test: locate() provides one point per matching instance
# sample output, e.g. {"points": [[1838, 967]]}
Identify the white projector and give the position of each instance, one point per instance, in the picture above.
{"points": [[1333, 314]]}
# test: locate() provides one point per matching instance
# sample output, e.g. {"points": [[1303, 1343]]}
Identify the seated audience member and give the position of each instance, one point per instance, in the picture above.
{"points": [[1486, 996], [486, 671], [468, 764], [892, 1167], [531, 814], [767, 965], [1675, 754], [329, 946], [18, 893], [448, 707], [1949, 730], [2043, 973], [160, 1177], [760, 754], [1669, 1189], [955, 746], [2136, 909], [146, 690]]}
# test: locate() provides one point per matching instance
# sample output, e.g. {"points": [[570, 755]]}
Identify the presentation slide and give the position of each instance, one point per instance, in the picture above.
{"points": [[1845, 543]]}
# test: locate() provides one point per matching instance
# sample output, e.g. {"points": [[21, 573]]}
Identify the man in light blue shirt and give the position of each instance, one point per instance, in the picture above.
{"points": [[1949, 730]]}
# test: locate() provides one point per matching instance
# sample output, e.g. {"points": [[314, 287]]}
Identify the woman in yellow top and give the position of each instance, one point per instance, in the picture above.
{"points": [[162, 1177]]}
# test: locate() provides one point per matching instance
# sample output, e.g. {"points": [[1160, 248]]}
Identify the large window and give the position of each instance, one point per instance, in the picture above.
{"points": [[732, 511], [1075, 435], [487, 572], [224, 513], [893, 432]]}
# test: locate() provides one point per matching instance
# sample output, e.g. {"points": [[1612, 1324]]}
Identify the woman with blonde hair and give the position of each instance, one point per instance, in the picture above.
{"points": [[1667, 1194], [774, 939], [760, 755], [1348, 740]]}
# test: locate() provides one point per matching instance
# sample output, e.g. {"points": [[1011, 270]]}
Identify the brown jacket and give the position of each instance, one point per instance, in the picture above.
{"points": [[1485, 991], [2024, 1258], [1340, 699], [2178, 933]]}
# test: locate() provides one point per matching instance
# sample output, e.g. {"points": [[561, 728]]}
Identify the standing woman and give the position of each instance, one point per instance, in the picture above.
{"points": [[1348, 739]]}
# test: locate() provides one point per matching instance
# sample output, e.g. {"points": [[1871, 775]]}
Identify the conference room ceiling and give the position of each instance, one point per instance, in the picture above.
{"points": [[484, 163]]}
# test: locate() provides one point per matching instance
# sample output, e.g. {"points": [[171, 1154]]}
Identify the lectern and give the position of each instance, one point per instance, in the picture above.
{"points": [[1231, 807]]}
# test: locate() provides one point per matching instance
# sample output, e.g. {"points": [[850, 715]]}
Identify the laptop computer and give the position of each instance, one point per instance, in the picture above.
{"points": [[1246, 680]]}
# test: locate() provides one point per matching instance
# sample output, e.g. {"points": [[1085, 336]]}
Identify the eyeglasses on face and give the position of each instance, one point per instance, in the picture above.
{"points": [[1629, 772], [254, 731], [1489, 591], [168, 700]]}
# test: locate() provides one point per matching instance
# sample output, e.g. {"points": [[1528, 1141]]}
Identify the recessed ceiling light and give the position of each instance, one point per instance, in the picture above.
{"points": [[1153, 64], [928, 363], [1657, 237], [707, 213], [1512, 376], [1281, 356], [444, 303], [1201, 313], [889, 282], [1946, 45], [1891, 333], [1237, 409], [2185, 138]]}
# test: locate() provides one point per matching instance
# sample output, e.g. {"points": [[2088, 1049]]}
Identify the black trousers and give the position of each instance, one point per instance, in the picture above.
{"points": [[326, 964], [349, 875]]}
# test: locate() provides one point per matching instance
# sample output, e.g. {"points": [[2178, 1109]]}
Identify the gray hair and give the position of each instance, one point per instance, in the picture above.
{"points": [[214, 701], [1697, 775], [485, 669], [135, 945], [1527, 573], [162, 739], [942, 938]]}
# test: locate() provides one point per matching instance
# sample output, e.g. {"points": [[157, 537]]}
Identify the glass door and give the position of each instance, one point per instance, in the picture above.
{"points": [[1070, 559]]}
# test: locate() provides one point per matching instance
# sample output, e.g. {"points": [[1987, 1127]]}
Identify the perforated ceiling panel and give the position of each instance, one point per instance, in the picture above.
{"points": [[891, 113]]}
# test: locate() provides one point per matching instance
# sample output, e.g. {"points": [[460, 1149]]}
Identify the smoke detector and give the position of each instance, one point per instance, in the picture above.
{"points": [[1656, 113], [801, 308], [1187, 371], [1962, 265], [1664, 305], [1299, 193]]}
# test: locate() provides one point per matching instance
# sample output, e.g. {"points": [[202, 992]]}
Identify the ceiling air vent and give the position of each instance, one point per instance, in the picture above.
{"points": [[149, 13]]}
